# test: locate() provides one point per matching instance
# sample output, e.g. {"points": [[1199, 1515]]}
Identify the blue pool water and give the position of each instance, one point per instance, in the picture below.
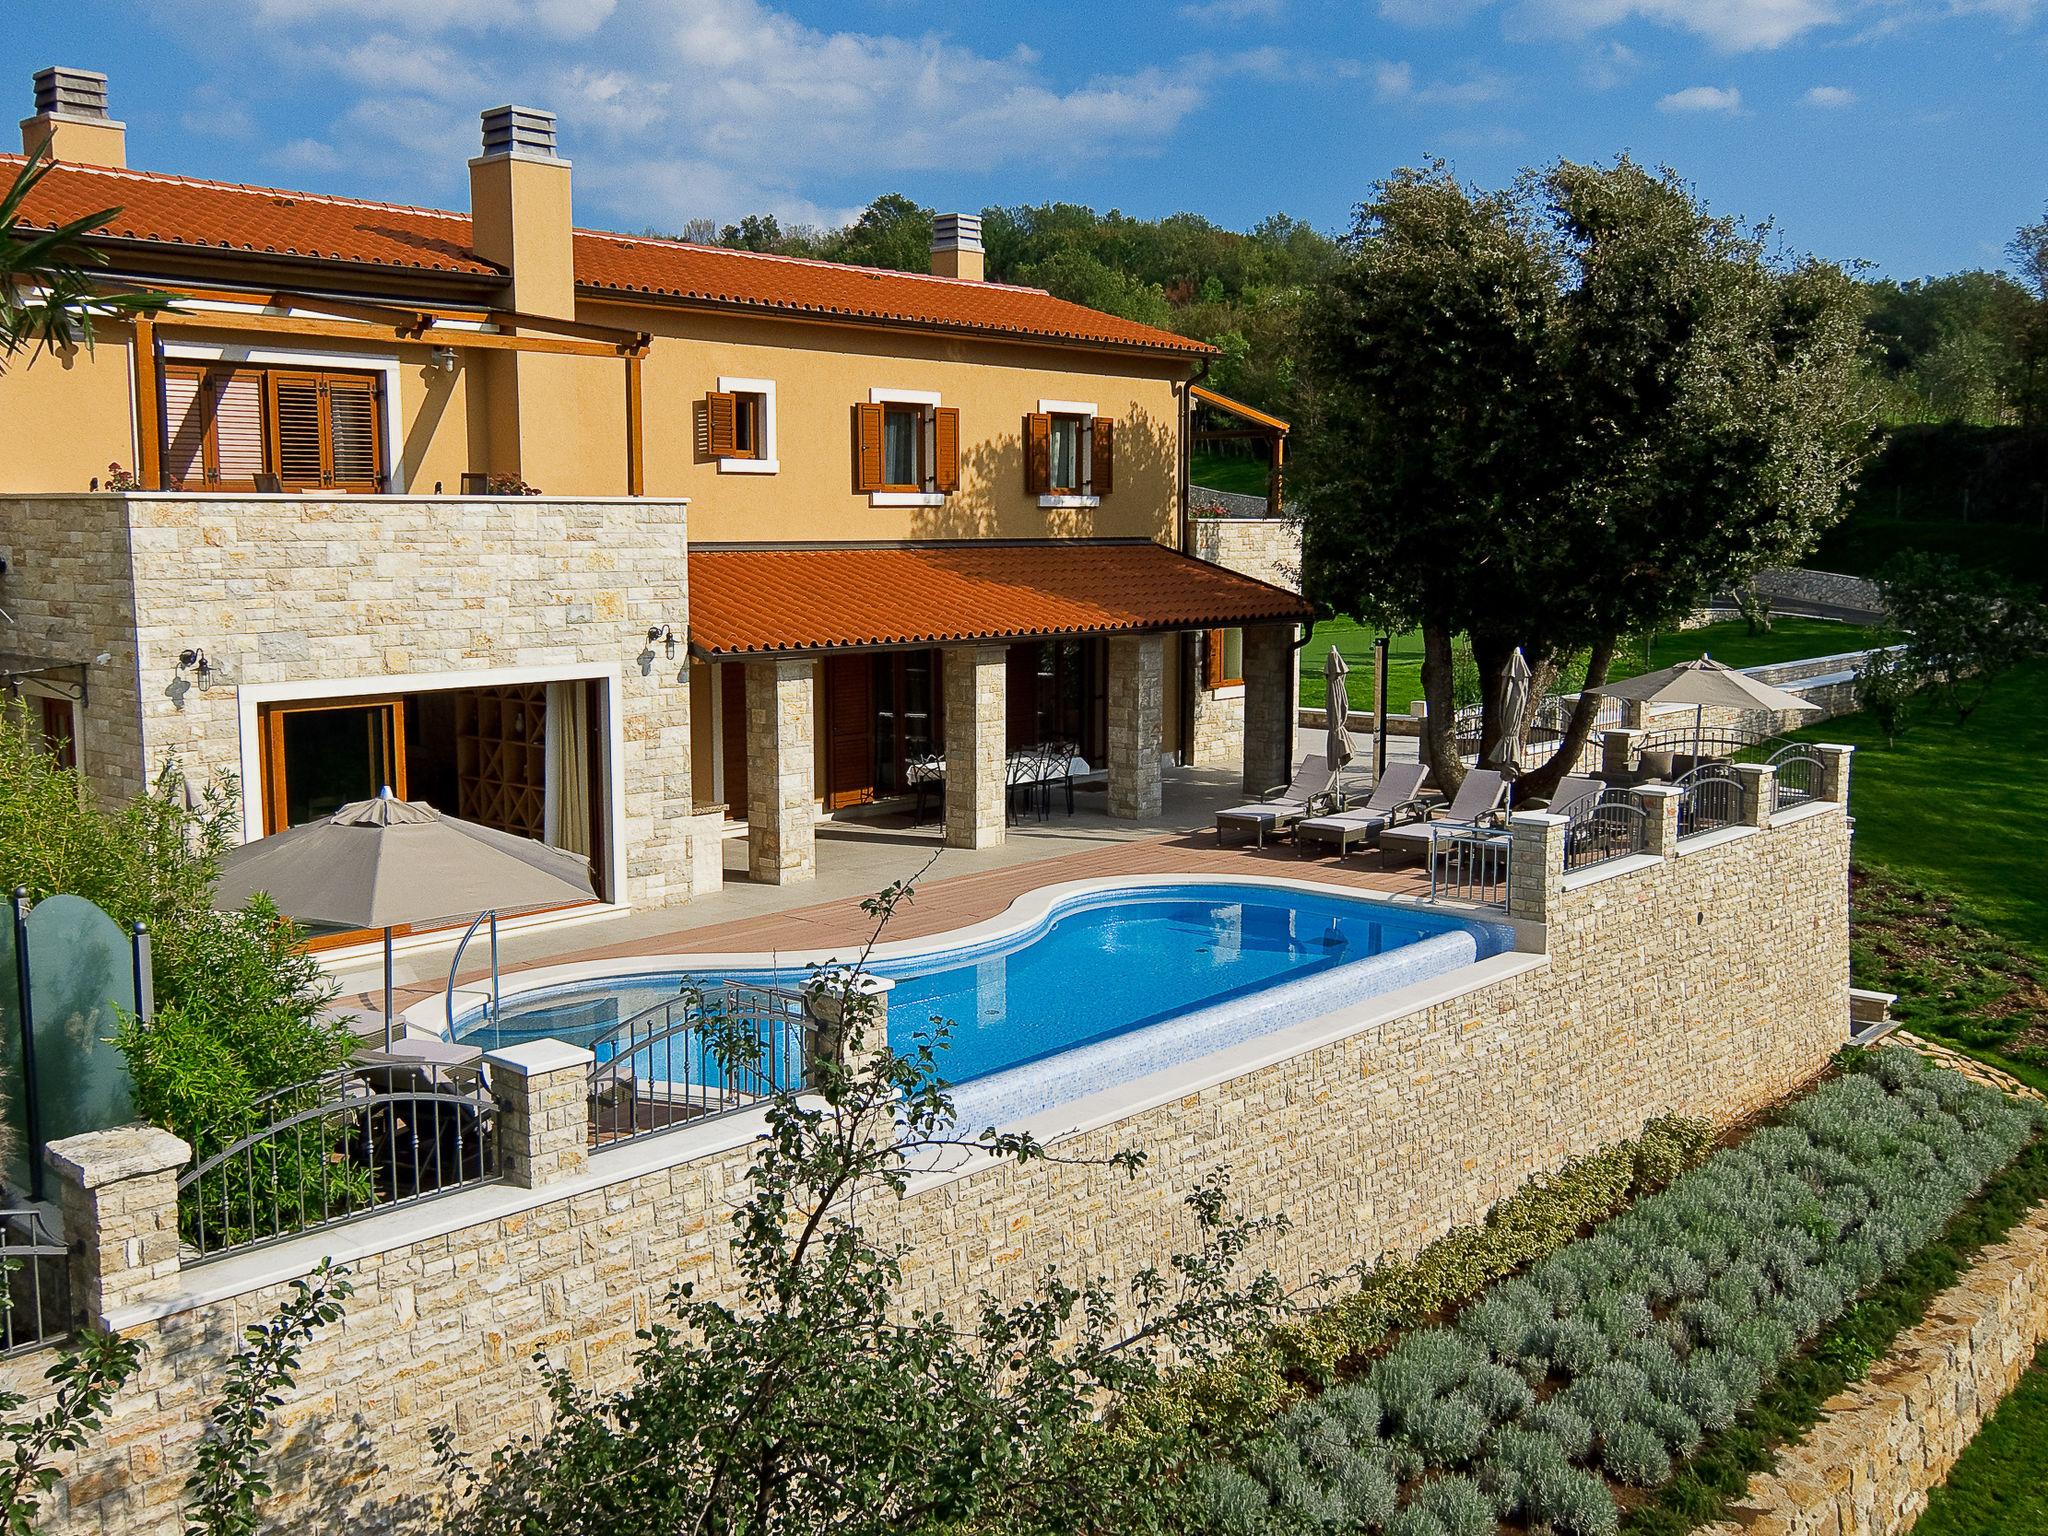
{"points": [[1112, 983]]}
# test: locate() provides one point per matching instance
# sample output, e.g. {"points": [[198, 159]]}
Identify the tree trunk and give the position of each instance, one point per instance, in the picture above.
{"points": [[1541, 783], [1440, 729], [1495, 729]]}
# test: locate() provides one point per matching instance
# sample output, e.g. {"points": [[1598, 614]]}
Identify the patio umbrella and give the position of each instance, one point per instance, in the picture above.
{"points": [[388, 863], [1337, 712], [1702, 683], [1514, 704]]}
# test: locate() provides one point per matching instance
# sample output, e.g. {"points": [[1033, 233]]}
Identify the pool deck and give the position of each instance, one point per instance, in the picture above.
{"points": [[857, 858]]}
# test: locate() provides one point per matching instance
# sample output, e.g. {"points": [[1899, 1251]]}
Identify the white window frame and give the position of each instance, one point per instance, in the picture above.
{"points": [[383, 364], [1085, 409], [766, 463], [929, 399]]}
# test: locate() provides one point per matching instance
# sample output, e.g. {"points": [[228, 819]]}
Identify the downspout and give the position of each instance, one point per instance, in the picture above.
{"points": [[1187, 547], [1294, 702]]}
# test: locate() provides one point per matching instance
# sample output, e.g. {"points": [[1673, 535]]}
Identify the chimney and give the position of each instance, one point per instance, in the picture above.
{"points": [[956, 246], [519, 210], [71, 120]]}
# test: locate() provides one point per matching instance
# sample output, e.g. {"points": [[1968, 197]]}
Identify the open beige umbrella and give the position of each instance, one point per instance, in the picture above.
{"points": [[1702, 683], [388, 863]]}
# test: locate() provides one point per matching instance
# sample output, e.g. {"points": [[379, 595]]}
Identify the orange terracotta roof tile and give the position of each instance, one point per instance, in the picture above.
{"points": [[225, 217], [761, 601]]}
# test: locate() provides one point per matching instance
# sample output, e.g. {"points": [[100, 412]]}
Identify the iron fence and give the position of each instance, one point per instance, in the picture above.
{"points": [[1798, 776], [1710, 797], [1694, 745], [1606, 824], [703, 1053], [346, 1145], [35, 1283], [1468, 863]]}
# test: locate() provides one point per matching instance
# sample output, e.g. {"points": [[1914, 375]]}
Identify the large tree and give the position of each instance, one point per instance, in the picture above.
{"points": [[1551, 416]]}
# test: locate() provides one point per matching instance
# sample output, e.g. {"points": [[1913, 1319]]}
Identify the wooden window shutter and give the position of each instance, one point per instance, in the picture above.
{"points": [[188, 425], [299, 429], [946, 451], [1038, 454], [720, 411], [867, 447], [1212, 659], [238, 456], [1102, 457], [354, 461]]}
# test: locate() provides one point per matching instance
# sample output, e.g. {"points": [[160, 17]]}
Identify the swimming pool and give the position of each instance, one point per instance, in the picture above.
{"points": [[1085, 986]]}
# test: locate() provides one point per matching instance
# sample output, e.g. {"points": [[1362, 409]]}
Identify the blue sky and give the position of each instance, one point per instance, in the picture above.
{"points": [[1911, 134]]}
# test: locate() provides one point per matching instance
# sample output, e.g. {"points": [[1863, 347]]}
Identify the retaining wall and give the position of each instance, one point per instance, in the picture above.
{"points": [[1710, 981]]}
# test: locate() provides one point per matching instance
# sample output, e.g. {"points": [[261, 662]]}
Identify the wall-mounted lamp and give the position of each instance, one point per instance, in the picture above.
{"points": [[442, 358], [667, 637], [193, 659]]}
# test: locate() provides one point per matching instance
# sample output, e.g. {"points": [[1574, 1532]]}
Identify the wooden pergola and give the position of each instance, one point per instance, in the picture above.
{"points": [[284, 313], [1259, 427]]}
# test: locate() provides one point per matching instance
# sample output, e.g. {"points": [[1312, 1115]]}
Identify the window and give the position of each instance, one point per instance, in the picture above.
{"points": [[59, 724], [906, 448], [739, 418], [1224, 661], [231, 427], [1069, 454]]}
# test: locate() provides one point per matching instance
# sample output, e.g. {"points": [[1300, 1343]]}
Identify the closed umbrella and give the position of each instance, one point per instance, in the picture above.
{"points": [[388, 863], [1337, 712], [1514, 704], [1705, 683]]}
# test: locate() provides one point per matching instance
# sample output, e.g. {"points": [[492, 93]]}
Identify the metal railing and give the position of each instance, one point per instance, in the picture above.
{"points": [[700, 1054], [1798, 776], [1468, 863], [1710, 797], [1712, 742], [346, 1145], [1606, 824], [35, 1283]]}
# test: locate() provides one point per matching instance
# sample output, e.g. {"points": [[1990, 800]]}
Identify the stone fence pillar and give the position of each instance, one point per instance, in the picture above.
{"points": [[118, 1191], [543, 1093], [1759, 792], [1635, 714], [1834, 772], [1618, 753], [847, 1013], [1660, 806], [1535, 865]]}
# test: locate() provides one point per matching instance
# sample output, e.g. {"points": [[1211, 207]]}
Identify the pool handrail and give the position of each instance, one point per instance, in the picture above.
{"points": [[491, 1007]]}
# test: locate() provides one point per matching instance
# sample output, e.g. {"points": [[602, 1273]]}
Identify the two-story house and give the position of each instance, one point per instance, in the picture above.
{"points": [[610, 540]]}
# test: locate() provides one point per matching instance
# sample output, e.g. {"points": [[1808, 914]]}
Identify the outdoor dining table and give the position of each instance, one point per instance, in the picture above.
{"points": [[926, 772]]}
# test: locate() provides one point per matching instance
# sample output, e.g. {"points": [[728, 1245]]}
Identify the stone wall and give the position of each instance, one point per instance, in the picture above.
{"points": [[1709, 983], [363, 591], [1866, 1468], [1269, 549]]}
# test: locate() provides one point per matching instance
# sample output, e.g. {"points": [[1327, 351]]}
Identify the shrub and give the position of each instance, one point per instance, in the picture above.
{"points": [[1564, 1424], [1447, 1431], [1459, 1506], [1228, 1502], [1576, 1503], [1369, 1490], [1633, 1454]]}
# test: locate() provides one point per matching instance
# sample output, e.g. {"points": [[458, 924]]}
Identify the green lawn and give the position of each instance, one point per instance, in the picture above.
{"points": [[1239, 472], [2000, 1487], [1790, 639]]}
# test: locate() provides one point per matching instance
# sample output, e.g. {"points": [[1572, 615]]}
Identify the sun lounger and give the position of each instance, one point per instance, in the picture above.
{"points": [[1275, 814], [1408, 841], [1361, 827]]}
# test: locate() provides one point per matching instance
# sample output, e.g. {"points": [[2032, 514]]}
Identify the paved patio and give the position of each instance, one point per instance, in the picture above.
{"points": [[857, 857]]}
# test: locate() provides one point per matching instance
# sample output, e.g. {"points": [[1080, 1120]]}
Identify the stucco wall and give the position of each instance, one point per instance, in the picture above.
{"points": [[362, 595], [1709, 984], [1867, 1467]]}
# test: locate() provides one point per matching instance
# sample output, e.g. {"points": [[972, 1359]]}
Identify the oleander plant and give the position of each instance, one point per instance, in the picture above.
{"points": [[1604, 1365]]}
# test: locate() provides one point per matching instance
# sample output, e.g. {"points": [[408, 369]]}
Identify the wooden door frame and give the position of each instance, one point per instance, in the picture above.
{"points": [[270, 723]]}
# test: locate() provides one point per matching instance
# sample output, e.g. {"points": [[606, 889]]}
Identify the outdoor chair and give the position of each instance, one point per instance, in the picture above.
{"points": [[1279, 809], [1025, 775], [926, 775], [1407, 838], [1058, 772], [1571, 788], [1362, 825]]}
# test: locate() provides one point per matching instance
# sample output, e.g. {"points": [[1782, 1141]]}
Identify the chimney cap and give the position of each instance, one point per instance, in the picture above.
{"points": [[64, 92], [510, 130], [956, 232]]}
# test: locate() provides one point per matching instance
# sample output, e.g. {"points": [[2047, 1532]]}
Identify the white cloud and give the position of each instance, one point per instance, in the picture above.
{"points": [[553, 18], [1394, 80], [1225, 12], [1702, 98], [1829, 96], [1735, 26], [1429, 13], [1609, 65]]}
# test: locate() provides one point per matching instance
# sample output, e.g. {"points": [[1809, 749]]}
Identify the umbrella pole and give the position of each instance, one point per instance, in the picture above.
{"points": [[1699, 714], [387, 989]]}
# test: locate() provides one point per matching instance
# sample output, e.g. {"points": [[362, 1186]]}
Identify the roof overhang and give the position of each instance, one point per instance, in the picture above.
{"points": [[748, 601]]}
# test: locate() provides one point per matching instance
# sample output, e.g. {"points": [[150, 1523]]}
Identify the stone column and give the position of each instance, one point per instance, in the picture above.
{"points": [[1268, 674], [1759, 792], [1834, 773], [118, 1191], [1660, 802], [848, 1015], [977, 721], [1635, 714], [1618, 753], [782, 796], [543, 1093], [1535, 865], [1137, 719]]}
